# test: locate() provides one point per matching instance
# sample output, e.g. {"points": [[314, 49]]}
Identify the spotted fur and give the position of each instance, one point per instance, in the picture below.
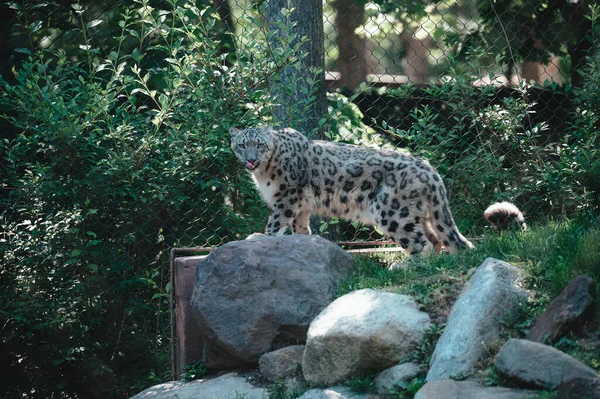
{"points": [[503, 215], [402, 194]]}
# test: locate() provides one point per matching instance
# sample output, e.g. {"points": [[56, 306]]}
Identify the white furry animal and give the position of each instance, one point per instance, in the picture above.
{"points": [[503, 215], [402, 194]]}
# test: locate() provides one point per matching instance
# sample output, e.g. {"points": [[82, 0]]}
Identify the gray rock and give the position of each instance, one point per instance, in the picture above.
{"points": [[228, 386], [539, 365], [491, 295], [570, 309], [399, 375], [580, 388], [448, 389], [282, 363], [252, 295], [364, 331], [335, 393]]}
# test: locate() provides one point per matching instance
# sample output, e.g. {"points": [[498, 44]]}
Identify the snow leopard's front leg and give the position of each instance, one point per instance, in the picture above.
{"points": [[288, 211], [301, 223], [276, 224]]}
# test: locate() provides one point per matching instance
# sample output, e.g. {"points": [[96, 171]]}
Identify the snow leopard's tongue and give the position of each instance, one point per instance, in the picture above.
{"points": [[250, 165]]}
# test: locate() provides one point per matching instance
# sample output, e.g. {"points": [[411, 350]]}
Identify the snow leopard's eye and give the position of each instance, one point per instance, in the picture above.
{"points": [[242, 146], [260, 145]]}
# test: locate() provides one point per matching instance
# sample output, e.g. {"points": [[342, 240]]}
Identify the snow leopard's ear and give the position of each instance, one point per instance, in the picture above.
{"points": [[266, 129], [233, 131]]}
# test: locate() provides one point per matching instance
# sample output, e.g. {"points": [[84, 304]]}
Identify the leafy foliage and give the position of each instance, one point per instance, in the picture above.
{"points": [[423, 352], [407, 390], [119, 156], [578, 168], [536, 31], [194, 371]]}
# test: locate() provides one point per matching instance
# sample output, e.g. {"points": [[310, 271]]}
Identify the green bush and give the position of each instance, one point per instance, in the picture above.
{"points": [[578, 168], [119, 156]]}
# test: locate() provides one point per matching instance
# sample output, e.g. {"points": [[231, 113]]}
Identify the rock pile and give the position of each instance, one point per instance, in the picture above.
{"points": [[277, 292]]}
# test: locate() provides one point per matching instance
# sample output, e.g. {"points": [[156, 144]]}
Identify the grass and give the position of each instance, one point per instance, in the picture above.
{"points": [[361, 384], [283, 389], [549, 257], [408, 391], [194, 371]]}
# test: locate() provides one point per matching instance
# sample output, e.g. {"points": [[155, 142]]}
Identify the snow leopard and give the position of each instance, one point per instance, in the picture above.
{"points": [[400, 193]]}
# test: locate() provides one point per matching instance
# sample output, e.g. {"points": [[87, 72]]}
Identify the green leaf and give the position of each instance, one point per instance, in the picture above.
{"points": [[93, 23], [22, 50]]}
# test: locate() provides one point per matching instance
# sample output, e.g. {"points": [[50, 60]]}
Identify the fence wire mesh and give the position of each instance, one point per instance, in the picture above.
{"points": [[116, 116], [400, 50]]}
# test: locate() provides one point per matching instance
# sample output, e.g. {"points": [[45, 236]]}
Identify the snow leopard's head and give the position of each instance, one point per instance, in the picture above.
{"points": [[252, 145]]}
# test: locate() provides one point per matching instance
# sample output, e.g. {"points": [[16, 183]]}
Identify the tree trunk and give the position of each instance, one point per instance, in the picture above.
{"points": [[532, 71], [293, 91], [583, 46], [416, 52], [227, 38], [224, 11], [353, 61]]}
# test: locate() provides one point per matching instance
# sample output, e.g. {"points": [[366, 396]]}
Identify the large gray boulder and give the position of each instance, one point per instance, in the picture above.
{"points": [[364, 331], [228, 386], [448, 389], [491, 295], [539, 365], [251, 295]]}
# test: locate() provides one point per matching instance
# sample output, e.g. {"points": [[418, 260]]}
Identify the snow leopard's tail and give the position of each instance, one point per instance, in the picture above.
{"points": [[503, 215]]}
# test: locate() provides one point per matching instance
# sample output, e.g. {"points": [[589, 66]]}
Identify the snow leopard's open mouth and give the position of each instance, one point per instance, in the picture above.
{"points": [[251, 165]]}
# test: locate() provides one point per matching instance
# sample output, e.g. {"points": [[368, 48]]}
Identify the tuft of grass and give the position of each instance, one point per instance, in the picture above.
{"points": [[194, 371], [277, 390], [586, 351], [423, 352], [493, 377], [547, 395], [281, 390], [407, 391], [361, 384]]}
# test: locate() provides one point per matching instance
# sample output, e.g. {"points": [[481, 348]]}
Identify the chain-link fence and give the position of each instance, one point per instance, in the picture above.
{"points": [[444, 79], [400, 50], [116, 118], [479, 88]]}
